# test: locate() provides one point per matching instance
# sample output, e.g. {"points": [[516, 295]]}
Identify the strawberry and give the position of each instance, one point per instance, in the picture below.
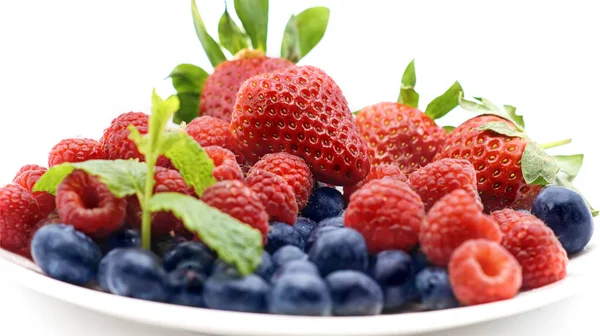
{"points": [[301, 111]]}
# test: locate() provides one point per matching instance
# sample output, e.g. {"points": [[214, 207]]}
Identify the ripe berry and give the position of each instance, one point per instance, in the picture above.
{"points": [[196, 252], [341, 249], [305, 227], [482, 271], [388, 214], [377, 172], [324, 203], [508, 218], [234, 293], [18, 216], [392, 268], [281, 234], [185, 287], [302, 294], [226, 167], [354, 294], [266, 267], [286, 254], [115, 139], [275, 194], [211, 131], [434, 289], [123, 238], [295, 267], [27, 177], [75, 150]]}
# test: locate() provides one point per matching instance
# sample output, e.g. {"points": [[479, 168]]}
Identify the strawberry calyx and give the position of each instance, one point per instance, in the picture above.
{"points": [[247, 53]]}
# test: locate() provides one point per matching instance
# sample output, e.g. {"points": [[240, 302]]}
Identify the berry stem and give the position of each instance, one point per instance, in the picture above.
{"points": [[146, 214], [555, 143]]}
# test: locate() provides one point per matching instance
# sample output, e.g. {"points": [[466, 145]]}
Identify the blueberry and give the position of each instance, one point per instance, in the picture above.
{"points": [[122, 239], [234, 293], [322, 227], [337, 222], [338, 250], [294, 267], [354, 294], [394, 297], [434, 288], [324, 203], [419, 260], [191, 251], [305, 227], [221, 268], [133, 272], [65, 254], [281, 234], [567, 214], [185, 287], [392, 268], [287, 254], [266, 268], [163, 244], [300, 294]]}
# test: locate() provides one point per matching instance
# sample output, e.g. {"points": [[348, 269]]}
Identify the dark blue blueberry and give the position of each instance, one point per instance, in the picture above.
{"points": [[394, 297], [66, 254], [281, 234], [567, 214], [163, 244], [305, 227], [322, 227], [185, 287], [266, 268], [434, 288], [324, 203], [300, 294], [392, 268], [122, 239], [221, 268], [419, 260], [133, 272], [286, 254], [337, 222], [354, 294], [193, 252], [295, 266], [234, 293], [340, 249]]}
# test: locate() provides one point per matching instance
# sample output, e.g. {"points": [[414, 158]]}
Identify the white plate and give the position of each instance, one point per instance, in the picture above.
{"points": [[214, 322]]}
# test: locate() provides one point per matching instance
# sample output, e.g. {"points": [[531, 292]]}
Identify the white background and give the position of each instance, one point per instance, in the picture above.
{"points": [[68, 67]]}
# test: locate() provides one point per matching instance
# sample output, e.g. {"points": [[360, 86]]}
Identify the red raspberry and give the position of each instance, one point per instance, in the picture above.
{"points": [[454, 219], [275, 194], [86, 203], [293, 170], [115, 140], [542, 257], [508, 218], [482, 271], [211, 131], [387, 213], [377, 172], [27, 178], [18, 214], [441, 177], [75, 150], [226, 167], [237, 200]]}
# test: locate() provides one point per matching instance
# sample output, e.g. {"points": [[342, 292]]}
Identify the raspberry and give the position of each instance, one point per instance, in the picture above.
{"points": [[387, 213], [377, 172], [482, 271], [75, 150], [275, 194], [86, 203], [27, 177], [508, 218], [441, 177], [226, 167], [237, 200], [542, 257], [454, 219], [293, 170], [18, 214], [115, 140], [211, 131]]}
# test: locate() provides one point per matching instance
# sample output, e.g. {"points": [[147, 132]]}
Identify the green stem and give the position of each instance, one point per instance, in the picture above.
{"points": [[146, 214], [555, 143]]}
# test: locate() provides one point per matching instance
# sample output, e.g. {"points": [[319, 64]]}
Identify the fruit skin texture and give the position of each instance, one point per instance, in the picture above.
{"points": [[439, 178], [324, 203], [66, 254], [399, 134], [354, 294], [221, 87], [542, 257], [454, 219], [281, 234], [226, 167], [388, 214], [211, 131], [115, 139], [185, 287], [275, 194], [302, 294], [508, 218], [305, 227], [287, 254], [18, 215], [193, 251], [377, 172], [86, 203], [295, 267], [567, 214], [233, 293], [434, 288], [301, 111], [482, 271], [391, 268], [27, 177], [341, 249], [75, 150], [497, 161]]}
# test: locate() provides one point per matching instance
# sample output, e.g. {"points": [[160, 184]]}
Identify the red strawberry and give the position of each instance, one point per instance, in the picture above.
{"points": [[18, 215], [211, 131], [377, 172], [275, 194], [301, 111]]}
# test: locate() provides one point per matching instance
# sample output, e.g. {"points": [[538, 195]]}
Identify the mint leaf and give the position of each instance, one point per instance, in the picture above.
{"points": [[502, 128], [537, 166], [231, 36], [512, 114], [408, 96], [122, 177], [188, 80], [211, 47], [254, 15], [159, 118], [569, 164], [445, 103], [303, 32], [235, 242]]}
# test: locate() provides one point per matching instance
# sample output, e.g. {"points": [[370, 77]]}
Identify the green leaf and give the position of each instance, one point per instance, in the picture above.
{"points": [[537, 166], [122, 177], [188, 80], [290, 44], [157, 123], [569, 164], [235, 242], [445, 103], [303, 32], [565, 181], [254, 15], [449, 129], [211, 47], [408, 96], [231, 36], [485, 106], [502, 128], [512, 113]]}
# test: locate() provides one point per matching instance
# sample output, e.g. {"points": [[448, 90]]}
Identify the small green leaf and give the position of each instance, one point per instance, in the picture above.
{"points": [[449, 129], [235, 242], [290, 44], [254, 15], [188, 80], [485, 106], [445, 103], [567, 182], [502, 128], [569, 164], [211, 47], [162, 111], [231, 36], [512, 113], [303, 32], [537, 166], [122, 177], [408, 96]]}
